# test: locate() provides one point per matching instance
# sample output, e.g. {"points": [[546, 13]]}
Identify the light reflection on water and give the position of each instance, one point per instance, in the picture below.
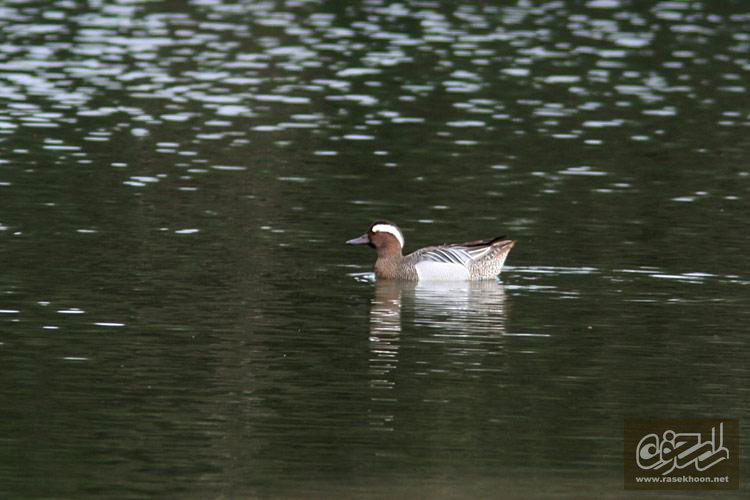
{"points": [[252, 61]]}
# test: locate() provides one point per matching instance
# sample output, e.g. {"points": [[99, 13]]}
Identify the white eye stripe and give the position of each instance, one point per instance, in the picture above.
{"points": [[390, 229]]}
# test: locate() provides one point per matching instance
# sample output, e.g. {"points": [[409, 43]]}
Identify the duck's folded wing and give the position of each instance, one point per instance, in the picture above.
{"points": [[461, 253], [479, 248], [447, 254], [454, 254]]}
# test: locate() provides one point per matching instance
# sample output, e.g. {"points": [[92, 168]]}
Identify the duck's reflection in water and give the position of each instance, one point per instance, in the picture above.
{"points": [[385, 332], [464, 309], [466, 317], [461, 308]]}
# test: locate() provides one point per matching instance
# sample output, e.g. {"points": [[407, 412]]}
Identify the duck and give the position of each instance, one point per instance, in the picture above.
{"points": [[474, 260]]}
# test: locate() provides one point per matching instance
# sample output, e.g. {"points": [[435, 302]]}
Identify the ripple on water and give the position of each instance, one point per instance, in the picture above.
{"points": [[233, 79]]}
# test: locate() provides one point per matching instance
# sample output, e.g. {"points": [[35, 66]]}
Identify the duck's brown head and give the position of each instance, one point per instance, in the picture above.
{"points": [[383, 236]]}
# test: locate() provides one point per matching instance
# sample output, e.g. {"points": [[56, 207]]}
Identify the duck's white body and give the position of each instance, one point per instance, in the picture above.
{"points": [[428, 270]]}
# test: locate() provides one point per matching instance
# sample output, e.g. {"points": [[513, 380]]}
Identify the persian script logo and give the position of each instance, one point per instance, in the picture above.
{"points": [[681, 453], [679, 450]]}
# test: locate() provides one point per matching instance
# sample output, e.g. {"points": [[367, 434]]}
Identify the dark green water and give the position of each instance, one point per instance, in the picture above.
{"points": [[179, 316]]}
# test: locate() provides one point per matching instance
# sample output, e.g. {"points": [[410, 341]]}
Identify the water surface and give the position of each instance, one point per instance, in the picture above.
{"points": [[179, 315]]}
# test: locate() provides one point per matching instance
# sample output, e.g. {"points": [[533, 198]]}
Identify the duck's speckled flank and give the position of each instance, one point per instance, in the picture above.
{"points": [[491, 264]]}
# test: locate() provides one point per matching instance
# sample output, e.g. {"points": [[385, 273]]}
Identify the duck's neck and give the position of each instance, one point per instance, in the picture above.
{"points": [[388, 261]]}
